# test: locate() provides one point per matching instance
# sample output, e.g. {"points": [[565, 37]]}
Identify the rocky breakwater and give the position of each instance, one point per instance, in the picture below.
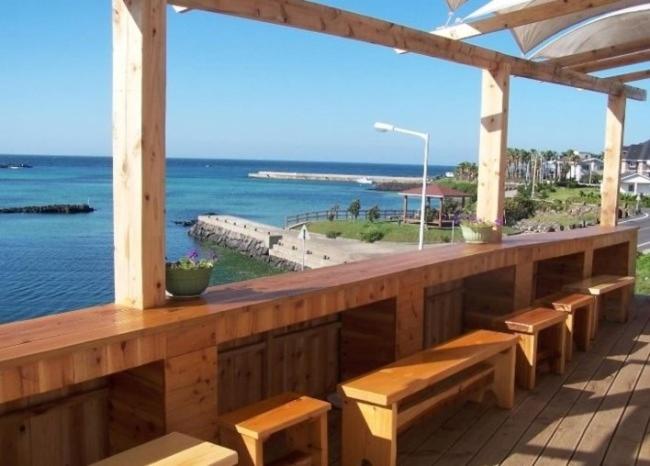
{"points": [[49, 209], [249, 238]]}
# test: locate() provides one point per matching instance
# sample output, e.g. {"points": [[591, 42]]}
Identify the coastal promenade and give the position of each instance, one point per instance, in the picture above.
{"points": [[338, 178], [283, 248]]}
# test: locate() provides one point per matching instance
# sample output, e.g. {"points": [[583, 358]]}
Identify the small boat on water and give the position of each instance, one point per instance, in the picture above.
{"points": [[364, 180]]}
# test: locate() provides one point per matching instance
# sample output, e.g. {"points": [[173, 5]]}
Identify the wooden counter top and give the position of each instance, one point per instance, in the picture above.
{"points": [[44, 334], [258, 305]]}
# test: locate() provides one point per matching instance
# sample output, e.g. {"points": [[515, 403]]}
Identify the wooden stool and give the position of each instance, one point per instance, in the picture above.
{"points": [[302, 419], [580, 310], [602, 286], [171, 450], [533, 348]]}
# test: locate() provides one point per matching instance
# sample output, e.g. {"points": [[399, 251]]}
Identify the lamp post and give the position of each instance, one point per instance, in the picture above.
{"points": [[384, 128]]}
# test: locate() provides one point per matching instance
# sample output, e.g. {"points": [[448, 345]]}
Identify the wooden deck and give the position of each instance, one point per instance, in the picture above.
{"points": [[598, 412]]}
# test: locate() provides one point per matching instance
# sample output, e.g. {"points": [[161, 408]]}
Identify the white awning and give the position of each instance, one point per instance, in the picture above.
{"points": [[613, 28], [532, 35]]}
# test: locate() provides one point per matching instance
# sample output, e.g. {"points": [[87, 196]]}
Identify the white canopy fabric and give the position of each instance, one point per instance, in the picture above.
{"points": [[532, 35], [629, 24], [455, 4]]}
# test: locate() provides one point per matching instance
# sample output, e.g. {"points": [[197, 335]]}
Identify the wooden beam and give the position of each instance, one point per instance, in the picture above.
{"points": [[614, 128], [523, 16], [493, 142], [599, 54], [633, 76], [328, 20], [139, 30], [614, 62]]}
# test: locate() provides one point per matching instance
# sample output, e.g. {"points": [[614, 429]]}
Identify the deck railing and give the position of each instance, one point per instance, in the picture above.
{"points": [[318, 215]]}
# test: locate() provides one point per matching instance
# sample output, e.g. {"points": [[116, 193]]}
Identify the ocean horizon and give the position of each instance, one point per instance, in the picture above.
{"points": [[53, 263]]}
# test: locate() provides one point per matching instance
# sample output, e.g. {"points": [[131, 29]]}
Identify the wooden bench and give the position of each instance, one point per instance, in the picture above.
{"points": [[378, 405], [172, 450], [601, 287], [534, 346], [580, 309], [301, 419]]}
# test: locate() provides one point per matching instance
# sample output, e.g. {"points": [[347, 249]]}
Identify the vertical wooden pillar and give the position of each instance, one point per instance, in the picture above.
{"points": [[614, 127], [139, 30], [492, 145]]}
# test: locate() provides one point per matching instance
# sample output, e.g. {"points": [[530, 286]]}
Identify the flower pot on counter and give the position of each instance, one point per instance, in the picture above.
{"points": [[475, 234], [184, 283]]}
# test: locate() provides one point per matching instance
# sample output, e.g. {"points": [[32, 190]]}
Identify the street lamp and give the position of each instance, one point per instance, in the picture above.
{"points": [[386, 127]]}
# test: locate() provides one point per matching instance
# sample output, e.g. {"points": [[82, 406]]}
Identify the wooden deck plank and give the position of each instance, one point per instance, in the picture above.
{"points": [[539, 411], [629, 435], [560, 421], [561, 447], [596, 440]]}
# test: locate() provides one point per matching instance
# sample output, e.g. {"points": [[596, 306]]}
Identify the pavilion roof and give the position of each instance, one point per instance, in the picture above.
{"points": [[435, 190]]}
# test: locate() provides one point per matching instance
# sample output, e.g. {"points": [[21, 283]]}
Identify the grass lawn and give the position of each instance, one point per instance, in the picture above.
{"points": [[562, 193], [407, 233], [643, 274]]}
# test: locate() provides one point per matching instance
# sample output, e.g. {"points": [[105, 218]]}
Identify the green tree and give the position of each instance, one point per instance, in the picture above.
{"points": [[373, 214], [355, 208]]}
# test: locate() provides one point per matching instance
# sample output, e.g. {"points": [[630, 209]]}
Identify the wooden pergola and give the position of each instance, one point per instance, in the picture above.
{"points": [[433, 191], [139, 67]]}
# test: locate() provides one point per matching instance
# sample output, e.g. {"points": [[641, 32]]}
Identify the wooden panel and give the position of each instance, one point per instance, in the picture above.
{"points": [[242, 376], [305, 362], [367, 338], [612, 260], [495, 93], [139, 36], [443, 314], [614, 128], [552, 274], [327, 20], [69, 431], [491, 292]]}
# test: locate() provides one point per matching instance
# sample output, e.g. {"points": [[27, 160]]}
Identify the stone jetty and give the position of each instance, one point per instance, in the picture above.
{"points": [[333, 177], [49, 209]]}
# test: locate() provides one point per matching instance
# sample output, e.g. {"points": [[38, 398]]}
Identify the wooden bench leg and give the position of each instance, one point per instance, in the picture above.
{"points": [[250, 450], [557, 342], [597, 314], [582, 325], [526, 360], [504, 378], [310, 437], [570, 329], [369, 434]]}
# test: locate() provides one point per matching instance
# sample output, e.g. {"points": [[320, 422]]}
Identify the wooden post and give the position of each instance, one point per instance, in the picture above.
{"points": [[406, 207], [492, 146], [139, 30], [614, 126]]}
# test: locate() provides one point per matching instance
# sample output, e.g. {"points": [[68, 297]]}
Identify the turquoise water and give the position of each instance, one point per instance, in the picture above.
{"points": [[52, 263]]}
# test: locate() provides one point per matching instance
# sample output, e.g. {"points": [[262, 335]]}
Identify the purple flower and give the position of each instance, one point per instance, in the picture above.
{"points": [[193, 255]]}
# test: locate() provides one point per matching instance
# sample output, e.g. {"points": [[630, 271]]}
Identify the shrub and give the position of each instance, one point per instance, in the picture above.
{"points": [[373, 214], [354, 208], [519, 208], [331, 234], [370, 235]]}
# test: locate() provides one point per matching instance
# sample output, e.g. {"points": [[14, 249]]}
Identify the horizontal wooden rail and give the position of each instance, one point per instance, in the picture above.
{"points": [[333, 21]]}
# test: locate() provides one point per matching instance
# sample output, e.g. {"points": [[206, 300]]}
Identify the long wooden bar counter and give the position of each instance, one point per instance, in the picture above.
{"points": [[177, 367]]}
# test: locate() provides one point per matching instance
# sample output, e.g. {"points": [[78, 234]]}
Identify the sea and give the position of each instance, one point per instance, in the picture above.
{"points": [[52, 263]]}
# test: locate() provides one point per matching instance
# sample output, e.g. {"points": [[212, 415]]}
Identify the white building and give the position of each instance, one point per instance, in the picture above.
{"points": [[636, 159], [635, 183]]}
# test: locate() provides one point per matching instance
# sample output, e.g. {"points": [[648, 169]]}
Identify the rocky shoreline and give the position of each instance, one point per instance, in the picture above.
{"points": [[243, 244], [49, 209]]}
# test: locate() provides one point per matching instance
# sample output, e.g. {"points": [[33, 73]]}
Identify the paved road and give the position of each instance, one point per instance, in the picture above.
{"points": [[643, 222]]}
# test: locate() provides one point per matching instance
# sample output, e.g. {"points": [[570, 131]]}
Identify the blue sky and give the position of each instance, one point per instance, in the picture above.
{"points": [[241, 89]]}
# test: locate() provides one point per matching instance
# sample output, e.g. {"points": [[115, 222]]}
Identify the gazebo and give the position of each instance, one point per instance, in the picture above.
{"points": [[435, 191]]}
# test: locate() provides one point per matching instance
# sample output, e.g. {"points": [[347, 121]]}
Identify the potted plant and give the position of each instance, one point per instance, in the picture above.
{"points": [[189, 276], [477, 231]]}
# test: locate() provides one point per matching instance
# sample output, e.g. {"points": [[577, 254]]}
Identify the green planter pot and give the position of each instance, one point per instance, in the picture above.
{"points": [[476, 234], [186, 283]]}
